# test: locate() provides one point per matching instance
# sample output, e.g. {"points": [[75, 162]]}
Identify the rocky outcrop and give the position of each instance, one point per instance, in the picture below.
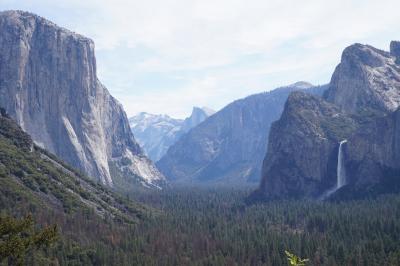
{"points": [[156, 133], [228, 147], [395, 50], [197, 116], [48, 84], [366, 79], [303, 146], [302, 155]]}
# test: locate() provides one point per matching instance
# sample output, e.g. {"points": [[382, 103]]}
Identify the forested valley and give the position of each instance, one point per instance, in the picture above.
{"points": [[298, 175], [215, 227]]}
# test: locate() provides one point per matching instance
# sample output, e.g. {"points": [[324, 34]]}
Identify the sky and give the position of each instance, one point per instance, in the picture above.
{"points": [[166, 56]]}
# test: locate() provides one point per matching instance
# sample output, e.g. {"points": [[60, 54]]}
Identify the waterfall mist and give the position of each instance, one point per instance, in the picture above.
{"points": [[340, 172]]}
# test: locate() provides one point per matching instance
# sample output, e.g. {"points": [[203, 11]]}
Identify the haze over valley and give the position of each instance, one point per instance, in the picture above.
{"points": [[234, 169]]}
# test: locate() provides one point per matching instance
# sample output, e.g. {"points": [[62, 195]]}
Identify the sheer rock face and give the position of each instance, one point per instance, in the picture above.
{"points": [[366, 78], [228, 147], [373, 152], [358, 106], [197, 116], [303, 146], [48, 84]]}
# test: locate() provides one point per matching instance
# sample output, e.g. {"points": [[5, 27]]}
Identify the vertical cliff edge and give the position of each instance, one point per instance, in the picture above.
{"points": [[48, 84], [360, 106]]}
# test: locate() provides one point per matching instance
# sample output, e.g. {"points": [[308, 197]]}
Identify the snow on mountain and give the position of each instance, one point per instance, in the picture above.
{"points": [[156, 133]]}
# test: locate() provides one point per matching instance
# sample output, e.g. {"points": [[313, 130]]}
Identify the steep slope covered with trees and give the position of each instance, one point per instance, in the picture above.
{"points": [[35, 181]]}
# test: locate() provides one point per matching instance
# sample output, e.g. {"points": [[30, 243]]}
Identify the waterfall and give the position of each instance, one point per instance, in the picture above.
{"points": [[341, 171]]}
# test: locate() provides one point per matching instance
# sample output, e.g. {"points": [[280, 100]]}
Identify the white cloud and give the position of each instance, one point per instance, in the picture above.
{"points": [[197, 41], [176, 101]]}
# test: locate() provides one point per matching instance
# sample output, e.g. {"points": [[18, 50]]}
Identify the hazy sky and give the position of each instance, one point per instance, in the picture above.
{"points": [[166, 56]]}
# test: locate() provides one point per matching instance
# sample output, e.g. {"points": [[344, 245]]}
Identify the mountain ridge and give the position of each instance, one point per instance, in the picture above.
{"points": [[228, 147], [156, 133]]}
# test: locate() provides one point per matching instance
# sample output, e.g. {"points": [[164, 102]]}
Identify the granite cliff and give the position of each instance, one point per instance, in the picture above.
{"points": [[359, 106], [366, 78], [48, 84], [303, 145]]}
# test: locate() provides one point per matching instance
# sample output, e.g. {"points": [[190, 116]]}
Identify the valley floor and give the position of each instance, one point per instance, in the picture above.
{"points": [[215, 227]]}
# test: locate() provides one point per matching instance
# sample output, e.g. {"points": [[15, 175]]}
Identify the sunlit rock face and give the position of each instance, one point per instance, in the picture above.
{"points": [[48, 84], [366, 78]]}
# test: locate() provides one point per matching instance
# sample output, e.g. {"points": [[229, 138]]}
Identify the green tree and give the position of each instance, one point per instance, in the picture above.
{"points": [[17, 236], [294, 260]]}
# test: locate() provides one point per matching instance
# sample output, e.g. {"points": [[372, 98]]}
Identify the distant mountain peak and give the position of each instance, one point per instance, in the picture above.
{"points": [[208, 110], [302, 85], [156, 133], [229, 146], [198, 115], [204, 109]]}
